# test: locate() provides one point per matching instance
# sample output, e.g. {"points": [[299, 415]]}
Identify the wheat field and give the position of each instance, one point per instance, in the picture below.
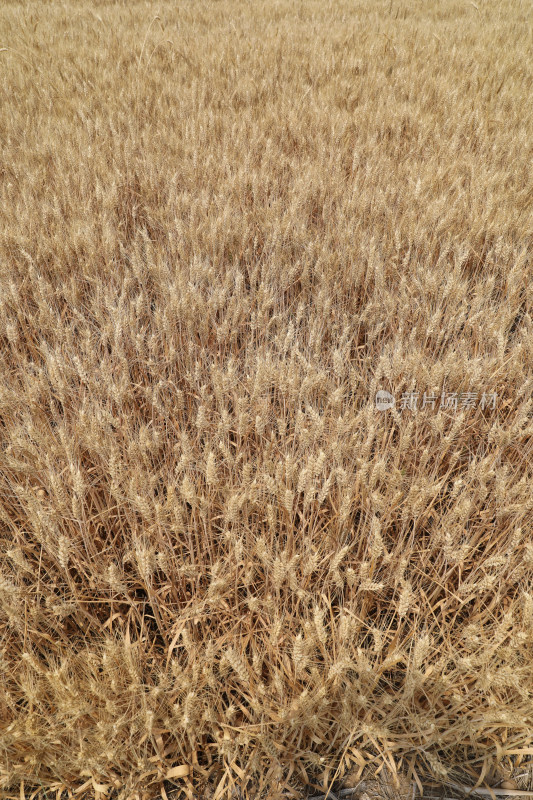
{"points": [[224, 228]]}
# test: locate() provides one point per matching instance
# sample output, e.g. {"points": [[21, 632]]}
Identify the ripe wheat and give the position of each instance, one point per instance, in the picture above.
{"points": [[223, 228]]}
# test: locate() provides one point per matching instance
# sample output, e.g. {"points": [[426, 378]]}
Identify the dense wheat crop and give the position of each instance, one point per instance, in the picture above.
{"points": [[224, 226]]}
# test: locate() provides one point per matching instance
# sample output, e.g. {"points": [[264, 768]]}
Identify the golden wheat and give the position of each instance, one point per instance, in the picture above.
{"points": [[224, 228]]}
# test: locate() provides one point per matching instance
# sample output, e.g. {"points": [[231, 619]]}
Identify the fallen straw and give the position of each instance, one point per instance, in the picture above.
{"points": [[461, 787]]}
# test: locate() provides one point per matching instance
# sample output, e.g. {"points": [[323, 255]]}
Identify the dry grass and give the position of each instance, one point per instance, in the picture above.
{"points": [[224, 227]]}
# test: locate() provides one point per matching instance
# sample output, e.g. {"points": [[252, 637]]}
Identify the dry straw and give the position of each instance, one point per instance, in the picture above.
{"points": [[223, 230]]}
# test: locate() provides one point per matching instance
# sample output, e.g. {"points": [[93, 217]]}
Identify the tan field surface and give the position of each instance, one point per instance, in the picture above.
{"points": [[266, 350]]}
